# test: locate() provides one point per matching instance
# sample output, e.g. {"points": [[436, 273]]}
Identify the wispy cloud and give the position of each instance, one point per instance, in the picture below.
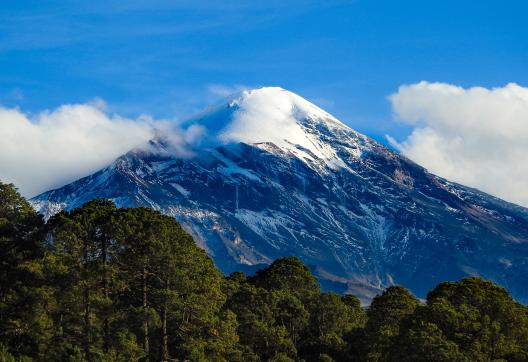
{"points": [[223, 90], [63, 24]]}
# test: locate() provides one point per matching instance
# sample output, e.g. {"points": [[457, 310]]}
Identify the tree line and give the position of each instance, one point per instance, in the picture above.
{"points": [[100, 283]]}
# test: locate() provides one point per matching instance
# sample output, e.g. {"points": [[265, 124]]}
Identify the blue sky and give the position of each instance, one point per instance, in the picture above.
{"points": [[164, 57]]}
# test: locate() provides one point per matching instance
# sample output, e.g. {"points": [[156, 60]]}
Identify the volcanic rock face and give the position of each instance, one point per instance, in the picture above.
{"points": [[276, 175]]}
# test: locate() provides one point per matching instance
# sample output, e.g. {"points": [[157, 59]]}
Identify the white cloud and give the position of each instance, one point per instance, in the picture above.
{"points": [[53, 148], [475, 136], [223, 90]]}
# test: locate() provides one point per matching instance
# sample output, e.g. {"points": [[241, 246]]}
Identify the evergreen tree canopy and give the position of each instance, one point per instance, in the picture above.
{"points": [[22, 322], [100, 283], [287, 274]]}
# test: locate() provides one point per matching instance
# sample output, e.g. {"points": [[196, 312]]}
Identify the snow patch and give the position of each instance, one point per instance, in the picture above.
{"points": [[181, 189], [47, 208], [267, 222], [232, 168]]}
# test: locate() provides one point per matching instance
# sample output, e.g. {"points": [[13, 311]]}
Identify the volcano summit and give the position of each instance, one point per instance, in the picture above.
{"points": [[274, 175]]}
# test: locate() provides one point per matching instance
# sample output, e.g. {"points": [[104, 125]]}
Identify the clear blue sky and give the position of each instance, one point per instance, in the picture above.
{"points": [[160, 57]]}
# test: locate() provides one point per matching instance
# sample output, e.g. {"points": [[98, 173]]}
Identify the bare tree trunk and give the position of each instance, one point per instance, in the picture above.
{"points": [[106, 293], [86, 305], [87, 324], [145, 321], [165, 337], [61, 326]]}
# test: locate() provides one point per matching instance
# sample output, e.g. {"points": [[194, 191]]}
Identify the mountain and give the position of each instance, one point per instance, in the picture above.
{"points": [[272, 175]]}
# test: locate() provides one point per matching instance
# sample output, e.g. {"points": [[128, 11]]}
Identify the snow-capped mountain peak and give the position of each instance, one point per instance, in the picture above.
{"points": [[276, 175], [273, 115]]}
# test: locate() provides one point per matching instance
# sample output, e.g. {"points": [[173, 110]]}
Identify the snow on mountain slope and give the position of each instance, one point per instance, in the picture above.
{"points": [[275, 175], [277, 116]]}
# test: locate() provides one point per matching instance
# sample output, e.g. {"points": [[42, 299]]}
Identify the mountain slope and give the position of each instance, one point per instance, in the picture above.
{"points": [[275, 175]]}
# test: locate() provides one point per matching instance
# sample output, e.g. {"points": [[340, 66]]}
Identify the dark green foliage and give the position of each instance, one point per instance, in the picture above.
{"points": [[480, 317], [289, 275], [332, 317], [385, 315], [131, 283], [23, 323], [425, 341], [106, 284], [257, 327], [173, 284], [283, 315]]}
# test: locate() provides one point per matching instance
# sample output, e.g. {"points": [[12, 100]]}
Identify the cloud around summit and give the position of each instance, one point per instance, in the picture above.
{"points": [[47, 150]]}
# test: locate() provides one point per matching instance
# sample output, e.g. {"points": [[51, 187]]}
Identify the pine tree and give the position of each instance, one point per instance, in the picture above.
{"points": [[22, 326], [385, 315], [78, 261], [172, 280]]}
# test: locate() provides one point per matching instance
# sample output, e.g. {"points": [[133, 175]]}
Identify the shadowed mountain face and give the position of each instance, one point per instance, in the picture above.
{"points": [[280, 176]]}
